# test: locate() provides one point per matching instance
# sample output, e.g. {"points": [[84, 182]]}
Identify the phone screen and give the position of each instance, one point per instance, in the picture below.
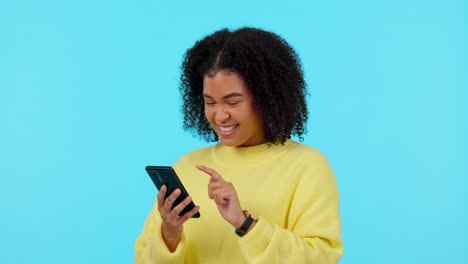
{"points": [[164, 175]]}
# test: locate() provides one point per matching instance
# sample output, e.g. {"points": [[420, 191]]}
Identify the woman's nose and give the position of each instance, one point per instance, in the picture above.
{"points": [[221, 115]]}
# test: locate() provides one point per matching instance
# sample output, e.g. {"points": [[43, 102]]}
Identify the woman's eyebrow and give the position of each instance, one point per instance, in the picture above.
{"points": [[224, 97]]}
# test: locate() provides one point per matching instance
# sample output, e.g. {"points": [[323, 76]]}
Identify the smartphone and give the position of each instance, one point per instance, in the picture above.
{"points": [[161, 175]]}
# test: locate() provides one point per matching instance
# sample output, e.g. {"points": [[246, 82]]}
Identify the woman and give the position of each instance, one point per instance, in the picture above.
{"points": [[263, 197]]}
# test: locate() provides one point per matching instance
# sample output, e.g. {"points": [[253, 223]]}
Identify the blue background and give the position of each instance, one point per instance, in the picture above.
{"points": [[88, 98]]}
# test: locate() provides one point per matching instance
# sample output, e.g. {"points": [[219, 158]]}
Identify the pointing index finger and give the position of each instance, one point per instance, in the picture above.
{"points": [[210, 172]]}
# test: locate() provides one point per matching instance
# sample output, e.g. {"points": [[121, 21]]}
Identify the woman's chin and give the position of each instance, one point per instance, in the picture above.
{"points": [[229, 142]]}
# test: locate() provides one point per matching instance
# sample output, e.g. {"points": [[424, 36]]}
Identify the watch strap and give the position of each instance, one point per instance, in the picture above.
{"points": [[241, 231]]}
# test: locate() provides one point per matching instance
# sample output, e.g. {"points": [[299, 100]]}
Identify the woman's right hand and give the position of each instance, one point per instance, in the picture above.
{"points": [[172, 223]]}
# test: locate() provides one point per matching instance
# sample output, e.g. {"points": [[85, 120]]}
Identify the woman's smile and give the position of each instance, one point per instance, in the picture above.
{"points": [[227, 130]]}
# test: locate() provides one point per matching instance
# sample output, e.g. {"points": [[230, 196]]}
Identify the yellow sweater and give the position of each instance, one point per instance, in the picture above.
{"points": [[290, 188]]}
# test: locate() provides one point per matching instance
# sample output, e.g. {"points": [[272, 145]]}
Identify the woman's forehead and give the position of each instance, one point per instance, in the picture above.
{"points": [[222, 85]]}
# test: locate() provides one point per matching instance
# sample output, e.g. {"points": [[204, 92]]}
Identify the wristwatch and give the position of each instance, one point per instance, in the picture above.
{"points": [[241, 231]]}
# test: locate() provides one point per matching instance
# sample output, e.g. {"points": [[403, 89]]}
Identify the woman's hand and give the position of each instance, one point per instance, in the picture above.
{"points": [[172, 223], [225, 196]]}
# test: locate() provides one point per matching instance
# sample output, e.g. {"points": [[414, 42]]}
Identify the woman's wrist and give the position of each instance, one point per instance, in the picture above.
{"points": [[171, 239], [240, 219]]}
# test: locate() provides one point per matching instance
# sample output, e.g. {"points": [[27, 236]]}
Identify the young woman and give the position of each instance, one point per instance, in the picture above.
{"points": [[263, 197]]}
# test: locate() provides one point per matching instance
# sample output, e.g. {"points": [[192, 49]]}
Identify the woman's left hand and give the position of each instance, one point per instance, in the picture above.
{"points": [[225, 196]]}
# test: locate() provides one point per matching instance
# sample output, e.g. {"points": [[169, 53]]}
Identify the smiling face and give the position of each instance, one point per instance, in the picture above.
{"points": [[230, 109]]}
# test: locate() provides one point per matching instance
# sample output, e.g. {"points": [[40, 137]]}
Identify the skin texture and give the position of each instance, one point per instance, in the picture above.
{"points": [[229, 102], [225, 196], [172, 223]]}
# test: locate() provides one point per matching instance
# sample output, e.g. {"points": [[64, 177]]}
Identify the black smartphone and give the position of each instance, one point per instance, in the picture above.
{"points": [[161, 175]]}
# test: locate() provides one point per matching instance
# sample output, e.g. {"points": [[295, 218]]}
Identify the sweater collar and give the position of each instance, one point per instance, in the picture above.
{"points": [[247, 156]]}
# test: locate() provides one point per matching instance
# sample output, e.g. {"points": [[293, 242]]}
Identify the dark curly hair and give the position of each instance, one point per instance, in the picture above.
{"points": [[271, 69]]}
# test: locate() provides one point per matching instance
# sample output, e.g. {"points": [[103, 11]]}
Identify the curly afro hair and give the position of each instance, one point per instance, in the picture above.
{"points": [[271, 69]]}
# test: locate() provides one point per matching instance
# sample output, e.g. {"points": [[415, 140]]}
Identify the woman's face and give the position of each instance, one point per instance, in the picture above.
{"points": [[230, 109]]}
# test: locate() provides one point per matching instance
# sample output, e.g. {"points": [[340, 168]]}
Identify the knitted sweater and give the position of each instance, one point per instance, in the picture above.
{"points": [[290, 188]]}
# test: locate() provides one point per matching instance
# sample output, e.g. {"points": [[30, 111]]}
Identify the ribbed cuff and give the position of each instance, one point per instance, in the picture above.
{"points": [[257, 239], [162, 253]]}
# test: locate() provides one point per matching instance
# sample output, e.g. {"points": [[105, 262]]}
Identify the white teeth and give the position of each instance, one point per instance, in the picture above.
{"points": [[227, 129]]}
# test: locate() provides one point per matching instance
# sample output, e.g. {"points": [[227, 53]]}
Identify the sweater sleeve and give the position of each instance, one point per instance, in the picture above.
{"points": [[312, 231], [150, 246]]}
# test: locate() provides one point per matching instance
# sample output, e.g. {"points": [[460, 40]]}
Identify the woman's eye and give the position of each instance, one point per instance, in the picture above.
{"points": [[210, 103], [232, 103]]}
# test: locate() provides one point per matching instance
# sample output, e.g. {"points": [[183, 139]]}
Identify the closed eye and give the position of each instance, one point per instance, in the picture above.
{"points": [[232, 103]]}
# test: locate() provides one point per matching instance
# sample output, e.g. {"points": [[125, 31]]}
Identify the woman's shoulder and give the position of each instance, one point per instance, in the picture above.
{"points": [[312, 162], [306, 151]]}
